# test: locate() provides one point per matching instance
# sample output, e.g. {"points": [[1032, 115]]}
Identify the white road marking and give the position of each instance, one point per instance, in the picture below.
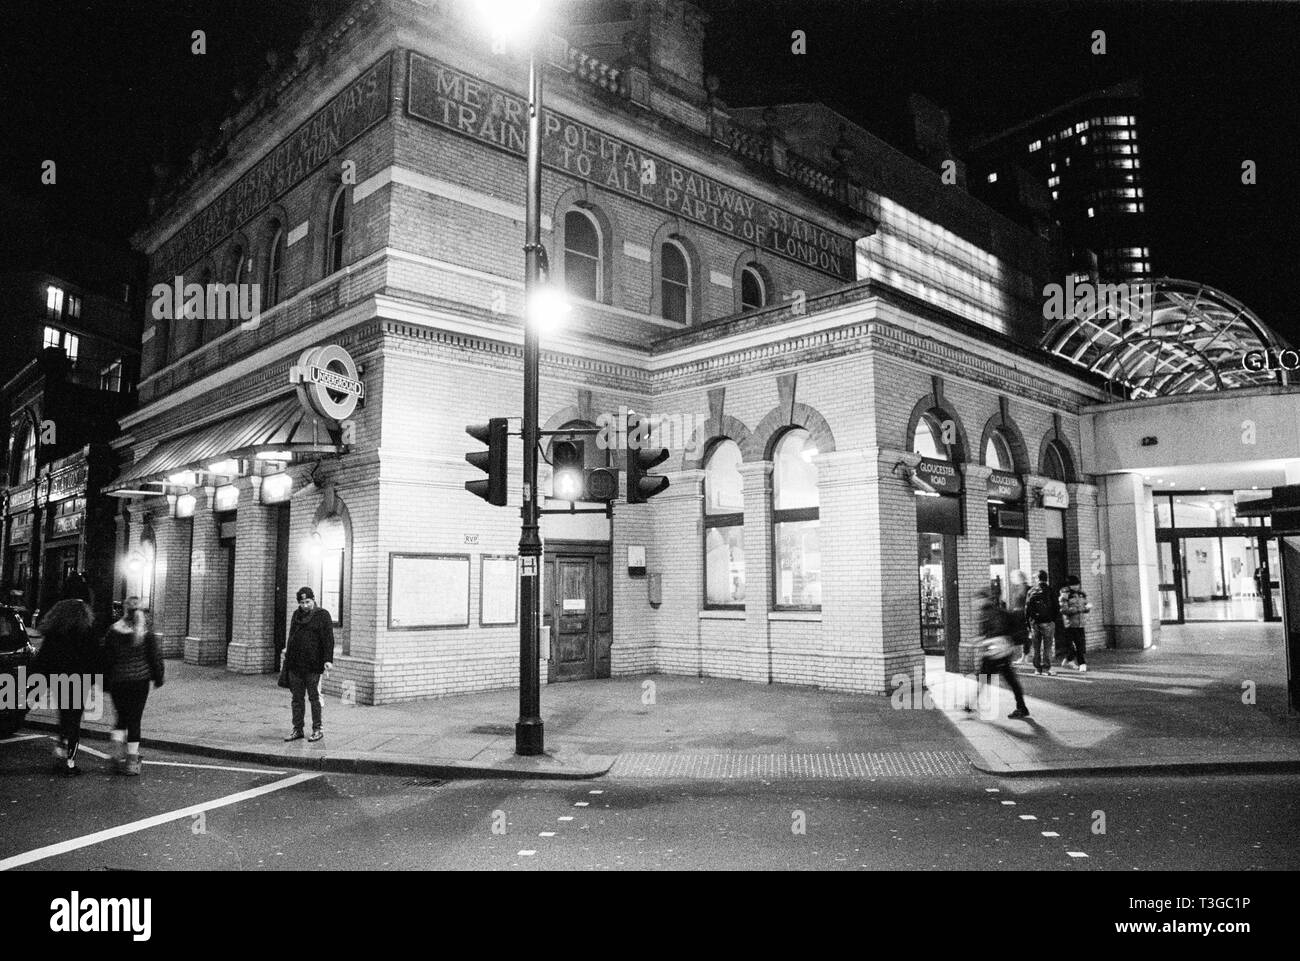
{"points": [[580, 804], [1076, 854], [1028, 817], [1050, 834], [1009, 803], [20, 737], [90, 750], [216, 767], [567, 817], [595, 792], [63, 847], [526, 854], [546, 834], [993, 790]]}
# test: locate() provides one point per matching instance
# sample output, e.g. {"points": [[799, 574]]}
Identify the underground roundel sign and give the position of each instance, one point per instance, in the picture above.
{"points": [[327, 381]]}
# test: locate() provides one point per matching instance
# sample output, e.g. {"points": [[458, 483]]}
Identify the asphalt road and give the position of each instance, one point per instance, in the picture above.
{"points": [[189, 812]]}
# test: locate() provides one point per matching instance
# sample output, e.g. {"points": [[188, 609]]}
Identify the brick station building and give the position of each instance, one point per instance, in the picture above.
{"points": [[839, 347]]}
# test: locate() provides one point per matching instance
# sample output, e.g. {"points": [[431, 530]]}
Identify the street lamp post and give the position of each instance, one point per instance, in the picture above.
{"points": [[528, 729]]}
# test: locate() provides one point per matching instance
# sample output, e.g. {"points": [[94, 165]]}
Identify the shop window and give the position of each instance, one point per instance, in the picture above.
{"points": [[337, 232], [753, 291], [674, 282], [274, 268], [724, 527], [582, 255], [333, 564], [795, 519]]}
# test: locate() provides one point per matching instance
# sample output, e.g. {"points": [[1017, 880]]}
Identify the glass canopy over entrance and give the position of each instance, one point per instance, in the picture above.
{"points": [[1166, 337]]}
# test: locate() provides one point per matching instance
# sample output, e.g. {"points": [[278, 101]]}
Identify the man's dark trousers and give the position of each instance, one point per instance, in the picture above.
{"points": [[307, 683]]}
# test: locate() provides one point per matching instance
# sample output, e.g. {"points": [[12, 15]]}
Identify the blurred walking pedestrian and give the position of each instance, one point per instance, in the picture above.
{"points": [[996, 625], [134, 663]]}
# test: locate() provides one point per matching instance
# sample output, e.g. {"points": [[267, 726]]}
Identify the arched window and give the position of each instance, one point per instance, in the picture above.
{"points": [[274, 268], [582, 255], [333, 553], [337, 231], [927, 440], [795, 520], [997, 453], [237, 266], [724, 527], [1054, 463], [675, 282], [27, 457], [753, 290]]}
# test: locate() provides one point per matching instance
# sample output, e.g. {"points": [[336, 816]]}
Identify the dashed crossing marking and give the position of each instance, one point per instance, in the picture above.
{"points": [[1076, 854]]}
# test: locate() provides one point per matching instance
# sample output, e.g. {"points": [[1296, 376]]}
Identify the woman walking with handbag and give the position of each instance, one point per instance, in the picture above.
{"points": [[996, 626], [134, 663]]}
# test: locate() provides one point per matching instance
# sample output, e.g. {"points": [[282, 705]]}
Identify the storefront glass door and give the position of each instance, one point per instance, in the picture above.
{"points": [[1212, 578]]}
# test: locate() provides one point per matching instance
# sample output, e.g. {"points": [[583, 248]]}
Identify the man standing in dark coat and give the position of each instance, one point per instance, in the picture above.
{"points": [[308, 654]]}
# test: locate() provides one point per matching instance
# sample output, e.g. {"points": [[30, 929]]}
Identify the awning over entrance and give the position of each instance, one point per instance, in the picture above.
{"points": [[282, 426], [1283, 507]]}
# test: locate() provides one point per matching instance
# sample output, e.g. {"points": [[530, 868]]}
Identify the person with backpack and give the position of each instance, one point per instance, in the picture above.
{"points": [[1074, 605], [1041, 611]]}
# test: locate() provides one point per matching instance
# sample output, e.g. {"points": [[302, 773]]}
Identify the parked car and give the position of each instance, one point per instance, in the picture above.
{"points": [[16, 652]]}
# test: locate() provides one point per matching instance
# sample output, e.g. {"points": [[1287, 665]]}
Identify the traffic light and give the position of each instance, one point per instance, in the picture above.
{"points": [[641, 486], [572, 480], [495, 433]]}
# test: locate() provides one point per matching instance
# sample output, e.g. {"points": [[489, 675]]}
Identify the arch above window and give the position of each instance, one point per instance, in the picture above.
{"points": [[997, 452], [794, 475], [336, 232], [674, 282], [724, 487], [926, 439], [583, 255], [754, 289], [272, 285], [1055, 462]]}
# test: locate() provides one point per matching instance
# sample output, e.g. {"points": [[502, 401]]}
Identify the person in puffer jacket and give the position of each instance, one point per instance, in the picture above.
{"points": [[1074, 605], [134, 663]]}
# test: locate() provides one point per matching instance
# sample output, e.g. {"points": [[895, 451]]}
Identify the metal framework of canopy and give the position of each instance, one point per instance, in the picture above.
{"points": [[1169, 337], [284, 425]]}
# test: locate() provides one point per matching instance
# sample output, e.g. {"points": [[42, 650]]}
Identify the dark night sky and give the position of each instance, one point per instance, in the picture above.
{"points": [[107, 88]]}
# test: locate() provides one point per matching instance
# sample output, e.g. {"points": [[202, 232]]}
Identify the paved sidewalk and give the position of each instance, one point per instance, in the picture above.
{"points": [[1178, 707]]}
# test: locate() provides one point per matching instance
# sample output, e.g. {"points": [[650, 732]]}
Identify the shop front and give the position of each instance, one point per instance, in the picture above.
{"points": [[938, 526], [1215, 562]]}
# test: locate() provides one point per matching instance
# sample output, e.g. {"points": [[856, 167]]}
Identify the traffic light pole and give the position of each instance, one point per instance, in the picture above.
{"points": [[528, 729]]}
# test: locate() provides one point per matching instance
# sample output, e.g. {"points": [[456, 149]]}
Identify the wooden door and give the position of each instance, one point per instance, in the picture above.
{"points": [[578, 609], [573, 618]]}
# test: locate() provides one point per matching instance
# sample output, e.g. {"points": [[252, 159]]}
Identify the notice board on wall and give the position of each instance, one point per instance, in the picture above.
{"points": [[499, 591], [428, 590]]}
